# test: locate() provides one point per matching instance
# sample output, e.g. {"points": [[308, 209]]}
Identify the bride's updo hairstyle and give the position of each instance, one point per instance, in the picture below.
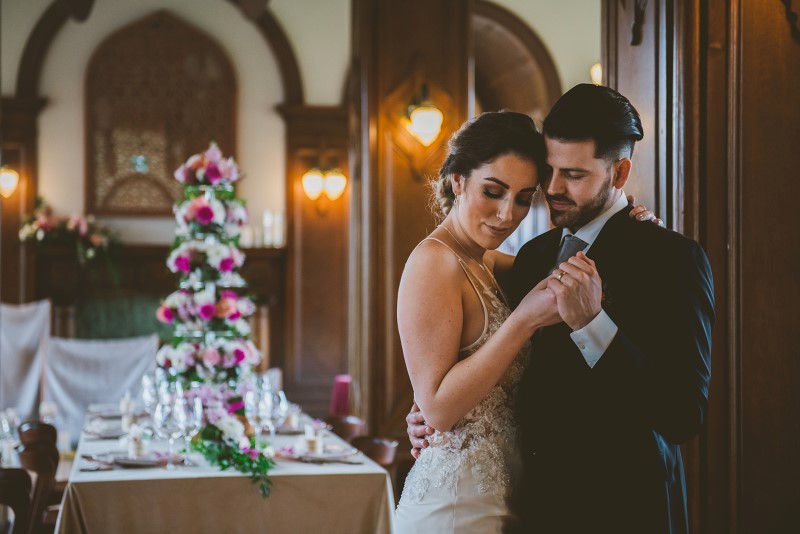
{"points": [[482, 140]]}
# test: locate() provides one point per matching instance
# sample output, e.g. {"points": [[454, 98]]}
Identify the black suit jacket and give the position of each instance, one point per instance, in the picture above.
{"points": [[601, 445]]}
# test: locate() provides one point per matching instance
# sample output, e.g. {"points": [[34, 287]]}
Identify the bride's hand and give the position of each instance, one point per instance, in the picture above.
{"points": [[539, 306], [642, 213], [417, 430]]}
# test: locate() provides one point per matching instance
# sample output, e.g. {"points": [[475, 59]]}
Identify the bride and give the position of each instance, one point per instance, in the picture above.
{"points": [[464, 348]]}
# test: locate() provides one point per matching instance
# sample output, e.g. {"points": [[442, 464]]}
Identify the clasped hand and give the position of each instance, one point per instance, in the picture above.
{"points": [[578, 290]]}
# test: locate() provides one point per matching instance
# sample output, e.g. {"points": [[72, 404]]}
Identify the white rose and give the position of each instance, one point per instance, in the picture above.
{"points": [[232, 429]]}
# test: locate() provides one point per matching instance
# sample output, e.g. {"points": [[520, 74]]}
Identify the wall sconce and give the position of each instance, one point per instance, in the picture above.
{"points": [[9, 178], [424, 120], [596, 72], [331, 182]]}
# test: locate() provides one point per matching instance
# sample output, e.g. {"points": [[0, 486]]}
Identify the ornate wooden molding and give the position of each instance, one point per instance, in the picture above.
{"points": [[55, 16], [637, 29], [793, 16]]}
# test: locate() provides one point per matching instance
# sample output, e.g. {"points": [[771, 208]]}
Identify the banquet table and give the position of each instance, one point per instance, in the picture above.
{"points": [[305, 497]]}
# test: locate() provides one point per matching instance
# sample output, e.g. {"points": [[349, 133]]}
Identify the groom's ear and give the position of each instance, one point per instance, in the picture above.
{"points": [[622, 169]]}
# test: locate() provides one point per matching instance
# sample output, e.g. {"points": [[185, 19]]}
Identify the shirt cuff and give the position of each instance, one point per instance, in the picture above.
{"points": [[594, 338]]}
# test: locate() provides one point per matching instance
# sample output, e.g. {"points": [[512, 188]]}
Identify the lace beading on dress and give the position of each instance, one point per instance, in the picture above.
{"points": [[485, 439]]}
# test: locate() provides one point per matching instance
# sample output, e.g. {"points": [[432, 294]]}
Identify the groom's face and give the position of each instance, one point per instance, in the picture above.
{"points": [[580, 187]]}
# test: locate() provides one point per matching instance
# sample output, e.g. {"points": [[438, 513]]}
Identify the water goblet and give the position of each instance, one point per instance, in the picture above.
{"points": [[191, 422], [168, 419]]}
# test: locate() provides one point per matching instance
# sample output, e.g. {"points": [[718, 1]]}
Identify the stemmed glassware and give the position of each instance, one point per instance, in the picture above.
{"points": [[169, 415], [258, 409], [191, 422], [150, 387]]}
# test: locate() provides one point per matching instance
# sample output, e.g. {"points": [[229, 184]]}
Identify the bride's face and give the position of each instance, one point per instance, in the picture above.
{"points": [[495, 198]]}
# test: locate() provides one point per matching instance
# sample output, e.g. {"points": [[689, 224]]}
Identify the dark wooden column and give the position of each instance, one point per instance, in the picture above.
{"points": [[317, 244], [397, 46], [19, 146]]}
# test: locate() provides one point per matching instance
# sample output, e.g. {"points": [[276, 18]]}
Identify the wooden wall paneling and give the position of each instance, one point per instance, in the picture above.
{"points": [[716, 222], [18, 129], [766, 121], [317, 269], [396, 40], [636, 72]]}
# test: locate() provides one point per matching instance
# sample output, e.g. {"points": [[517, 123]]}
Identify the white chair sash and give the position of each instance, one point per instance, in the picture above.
{"points": [[24, 333], [80, 372]]}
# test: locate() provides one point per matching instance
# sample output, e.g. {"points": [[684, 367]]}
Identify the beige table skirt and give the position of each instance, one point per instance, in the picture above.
{"points": [[329, 504]]}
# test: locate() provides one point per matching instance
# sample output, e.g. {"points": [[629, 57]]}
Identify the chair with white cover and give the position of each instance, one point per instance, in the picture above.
{"points": [[24, 334], [80, 372]]}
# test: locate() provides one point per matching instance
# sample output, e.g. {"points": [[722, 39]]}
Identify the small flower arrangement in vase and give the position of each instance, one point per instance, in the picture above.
{"points": [[93, 243]]}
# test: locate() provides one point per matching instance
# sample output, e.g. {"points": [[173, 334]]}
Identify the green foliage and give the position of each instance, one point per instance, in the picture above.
{"points": [[224, 455]]}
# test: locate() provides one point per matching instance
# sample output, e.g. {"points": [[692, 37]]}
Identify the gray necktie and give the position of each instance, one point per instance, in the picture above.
{"points": [[569, 248]]}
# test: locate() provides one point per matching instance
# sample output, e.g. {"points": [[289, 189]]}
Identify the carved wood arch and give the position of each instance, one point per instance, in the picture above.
{"points": [[156, 89], [57, 14], [513, 68]]}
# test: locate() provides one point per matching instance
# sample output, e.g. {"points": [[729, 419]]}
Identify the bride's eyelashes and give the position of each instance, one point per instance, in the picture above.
{"points": [[522, 200]]}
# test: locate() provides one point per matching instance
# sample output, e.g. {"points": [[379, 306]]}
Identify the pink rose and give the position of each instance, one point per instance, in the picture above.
{"points": [[239, 355], [211, 357], [165, 314], [226, 265], [182, 263], [212, 173], [206, 312], [204, 215]]}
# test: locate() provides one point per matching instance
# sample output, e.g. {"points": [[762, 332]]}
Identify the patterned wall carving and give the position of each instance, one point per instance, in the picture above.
{"points": [[157, 91]]}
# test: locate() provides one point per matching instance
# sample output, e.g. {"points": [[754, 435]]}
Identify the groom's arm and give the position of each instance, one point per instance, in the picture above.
{"points": [[418, 430], [661, 356]]}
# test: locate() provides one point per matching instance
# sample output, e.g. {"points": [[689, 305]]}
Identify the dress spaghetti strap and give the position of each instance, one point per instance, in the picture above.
{"points": [[474, 281]]}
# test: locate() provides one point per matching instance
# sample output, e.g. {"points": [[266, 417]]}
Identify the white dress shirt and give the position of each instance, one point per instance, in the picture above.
{"points": [[594, 338]]}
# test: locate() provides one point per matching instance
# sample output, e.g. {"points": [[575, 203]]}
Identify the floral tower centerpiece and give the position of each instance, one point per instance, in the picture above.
{"points": [[210, 351]]}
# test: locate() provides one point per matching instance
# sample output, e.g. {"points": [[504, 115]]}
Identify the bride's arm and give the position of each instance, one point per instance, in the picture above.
{"points": [[430, 320]]}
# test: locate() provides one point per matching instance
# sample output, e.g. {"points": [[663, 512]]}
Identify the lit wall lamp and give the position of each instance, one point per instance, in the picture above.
{"points": [[596, 72], [9, 178], [424, 120], [331, 182]]}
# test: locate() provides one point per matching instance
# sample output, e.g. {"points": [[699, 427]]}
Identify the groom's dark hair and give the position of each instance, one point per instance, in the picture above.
{"points": [[594, 112]]}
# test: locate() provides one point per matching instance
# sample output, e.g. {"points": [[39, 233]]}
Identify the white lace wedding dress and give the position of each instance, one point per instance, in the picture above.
{"points": [[462, 481]]}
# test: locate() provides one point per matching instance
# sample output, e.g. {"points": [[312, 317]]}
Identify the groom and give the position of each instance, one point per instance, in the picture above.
{"points": [[612, 391]]}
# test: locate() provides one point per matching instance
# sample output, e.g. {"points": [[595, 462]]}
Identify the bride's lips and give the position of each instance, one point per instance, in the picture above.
{"points": [[499, 232]]}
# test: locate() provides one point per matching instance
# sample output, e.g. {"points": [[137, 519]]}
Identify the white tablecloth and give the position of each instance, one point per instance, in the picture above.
{"points": [[326, 498]]}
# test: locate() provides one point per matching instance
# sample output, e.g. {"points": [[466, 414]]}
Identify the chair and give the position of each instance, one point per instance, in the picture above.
{"points": [[15, 492], [80, 372], [379, 450], [24, 331], [40, 455], [346, 427]]}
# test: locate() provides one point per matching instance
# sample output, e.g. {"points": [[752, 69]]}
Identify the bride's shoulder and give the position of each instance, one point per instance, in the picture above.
{"points": [[433, 261]]}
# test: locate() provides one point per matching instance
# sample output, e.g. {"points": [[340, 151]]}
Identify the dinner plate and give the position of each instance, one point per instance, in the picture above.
{"points": [[105, 433], [147, 461], [330, 451]]}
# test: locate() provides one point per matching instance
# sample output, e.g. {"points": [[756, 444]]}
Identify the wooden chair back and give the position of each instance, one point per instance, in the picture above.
{"points": [[15, 492], [379, 450], [346, 427], [40, 455]]}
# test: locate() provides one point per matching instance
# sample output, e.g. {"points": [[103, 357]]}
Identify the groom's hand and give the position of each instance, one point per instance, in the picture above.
{"points": [[417, 430], [578, 289]]}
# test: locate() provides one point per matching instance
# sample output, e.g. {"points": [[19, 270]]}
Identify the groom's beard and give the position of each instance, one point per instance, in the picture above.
{"points": [[578, 216]]}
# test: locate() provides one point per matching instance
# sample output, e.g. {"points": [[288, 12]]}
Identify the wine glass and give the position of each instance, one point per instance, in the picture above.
{"points": [[168, 417], [191, 421], [258, 408], [149, 392]]}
